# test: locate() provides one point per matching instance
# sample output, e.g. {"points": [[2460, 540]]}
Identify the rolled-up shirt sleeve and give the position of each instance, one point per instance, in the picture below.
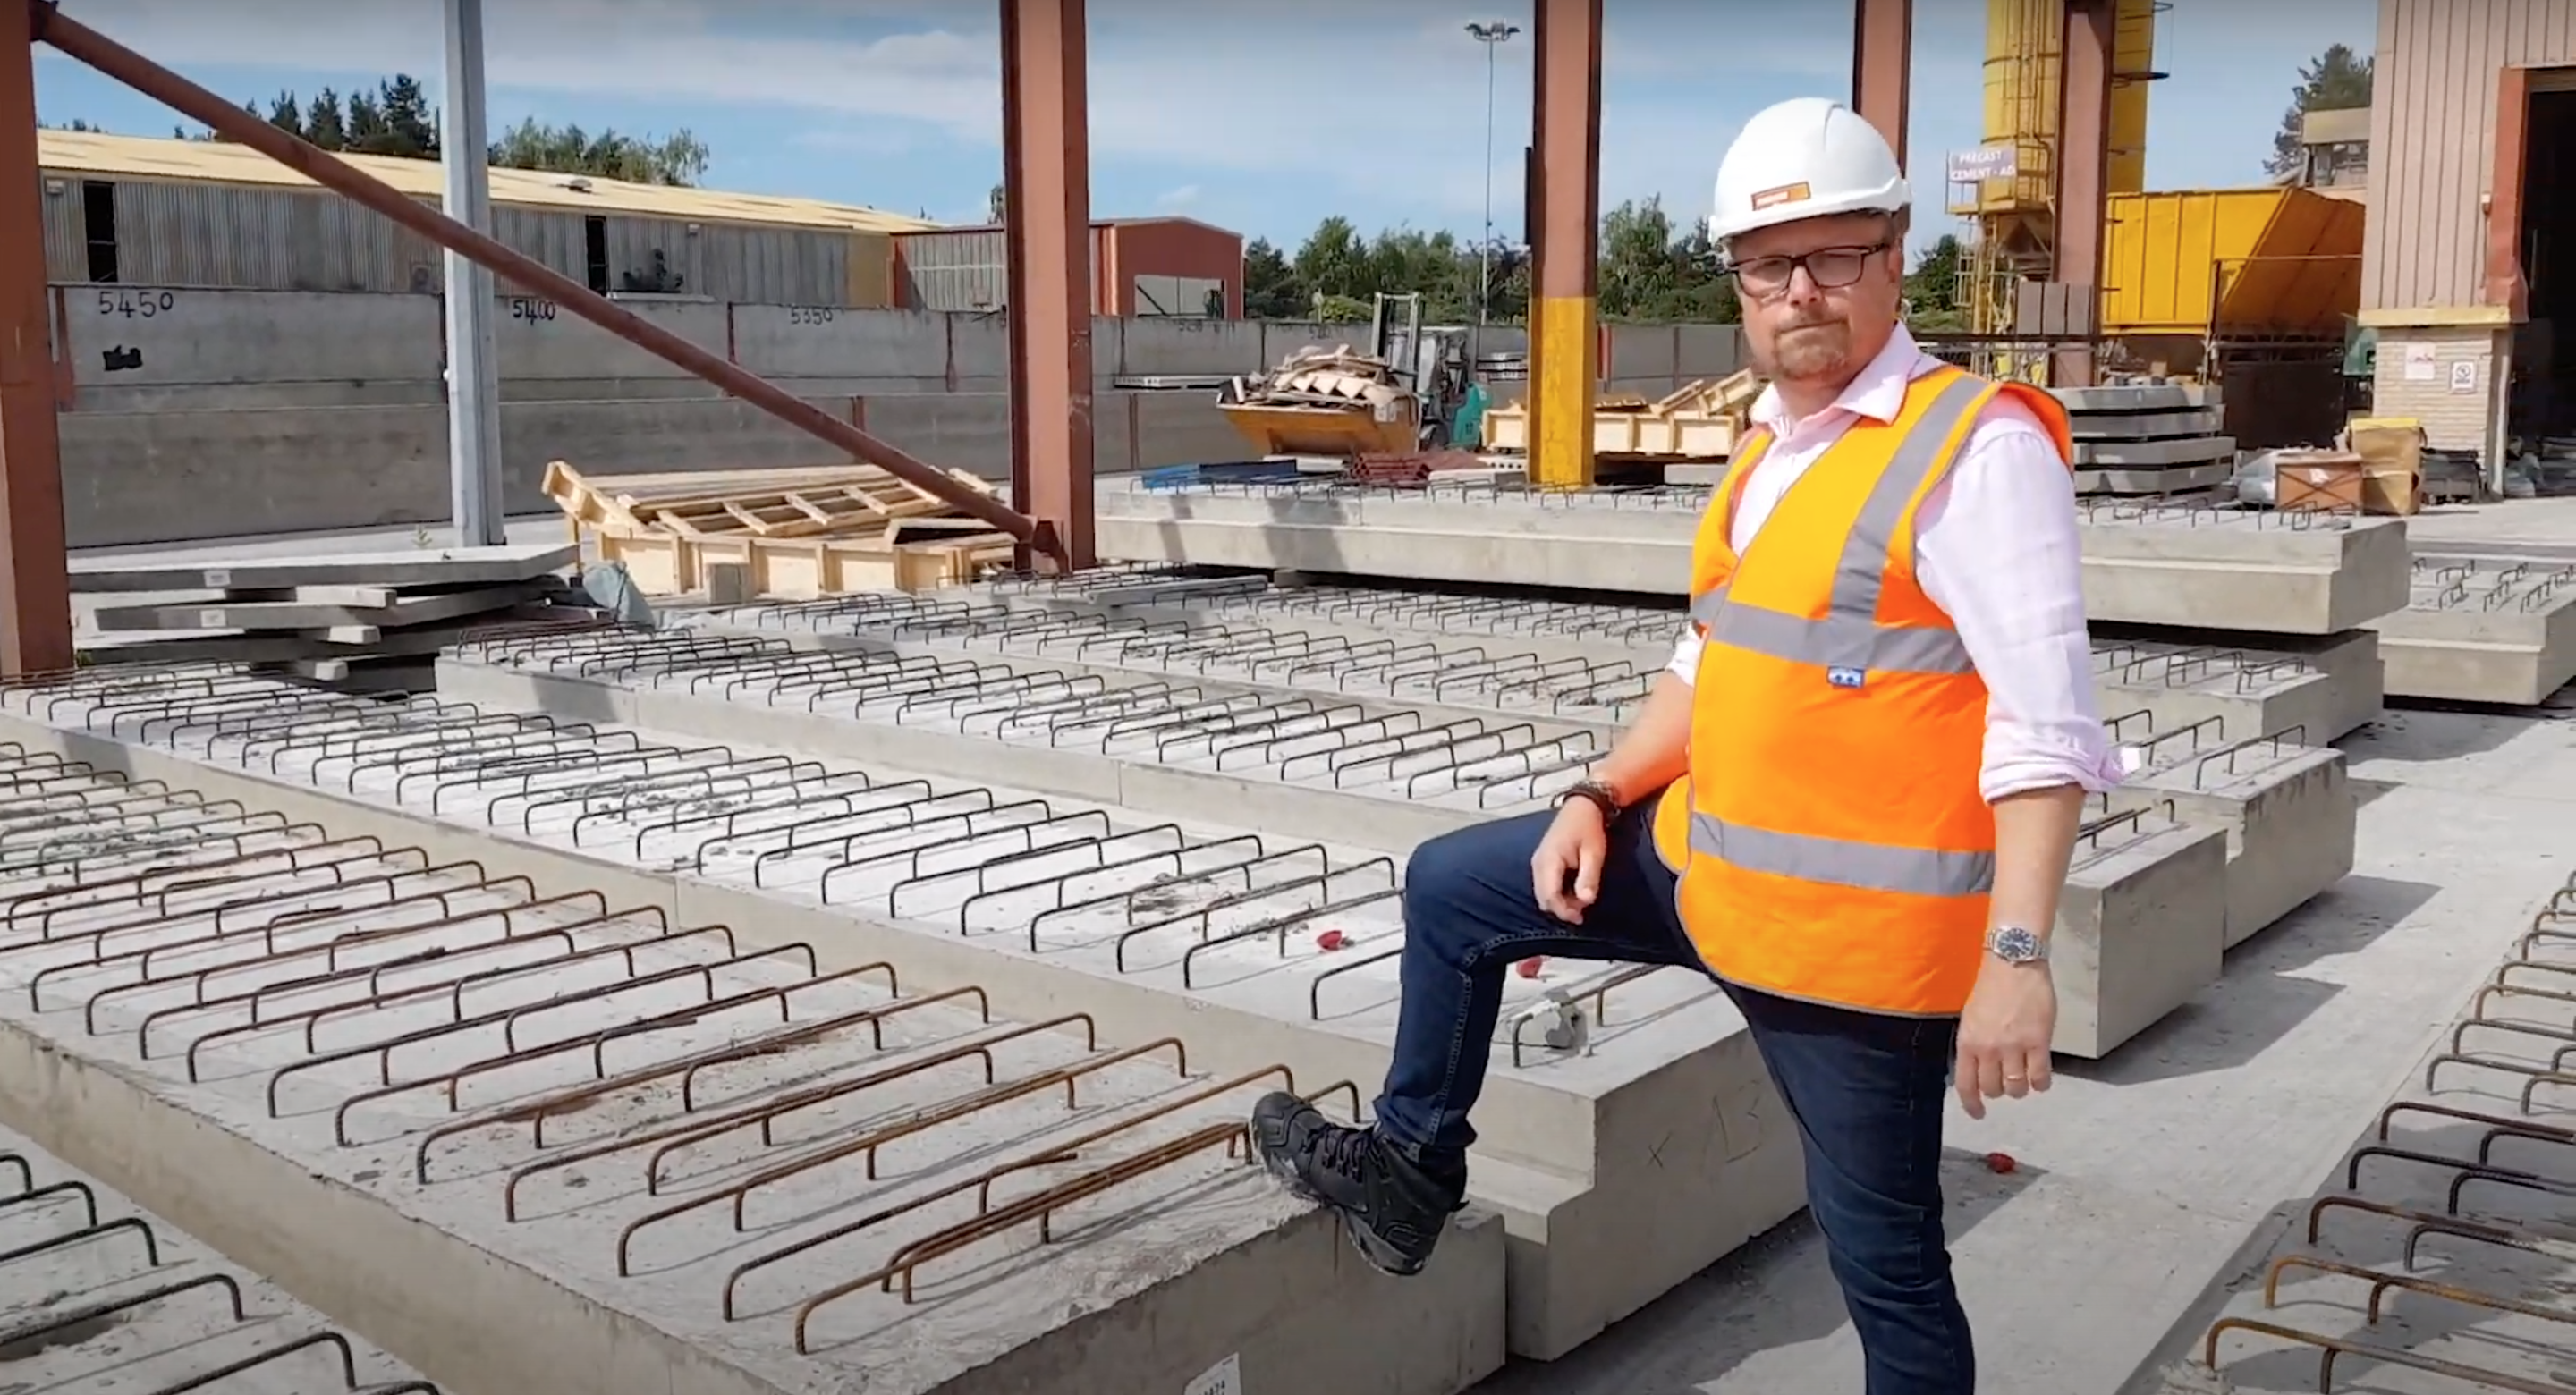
{"points": [[1685, 661], [1998, 548]]}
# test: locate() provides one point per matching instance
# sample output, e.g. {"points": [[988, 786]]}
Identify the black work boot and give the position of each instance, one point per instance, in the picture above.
{"points": [[1393, 1209]]}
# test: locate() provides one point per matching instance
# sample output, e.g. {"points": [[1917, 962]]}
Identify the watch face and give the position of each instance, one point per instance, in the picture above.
{"points": [[2016, 945]]}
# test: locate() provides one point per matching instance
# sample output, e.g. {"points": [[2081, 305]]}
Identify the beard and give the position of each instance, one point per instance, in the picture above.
{"points": [[1810, 347]]}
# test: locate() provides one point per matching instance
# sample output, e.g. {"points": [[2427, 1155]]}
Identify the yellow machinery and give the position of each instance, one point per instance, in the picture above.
{"points": [[2240, 265], [2016, 214]]}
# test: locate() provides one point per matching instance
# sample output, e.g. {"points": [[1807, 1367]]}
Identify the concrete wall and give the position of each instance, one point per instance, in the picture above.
{"points": [[216, 413], [2456, 398]]}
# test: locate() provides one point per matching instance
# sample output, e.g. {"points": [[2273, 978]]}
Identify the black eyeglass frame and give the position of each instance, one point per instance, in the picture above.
{"points": [[1806, 261]]}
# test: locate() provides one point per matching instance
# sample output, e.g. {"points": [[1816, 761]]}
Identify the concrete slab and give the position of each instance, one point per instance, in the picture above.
{"points": [[98, 1293], [2144, 426], [254, 1020], [317, 607], [1028, 900], [423, 566], [2139, 397], [2286, 809], [2154, 455], [2483, 629], [2110, 477], [2143, 564]]}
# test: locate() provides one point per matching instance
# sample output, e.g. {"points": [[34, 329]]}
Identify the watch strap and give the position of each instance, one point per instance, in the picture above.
{"points": [[1598, 794]]}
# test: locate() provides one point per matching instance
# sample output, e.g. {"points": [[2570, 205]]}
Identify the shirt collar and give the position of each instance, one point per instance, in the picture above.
{"points": [[1877, 392]]}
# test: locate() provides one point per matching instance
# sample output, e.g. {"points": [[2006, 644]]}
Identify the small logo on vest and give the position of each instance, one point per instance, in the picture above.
{"points": [[1842, 677]]}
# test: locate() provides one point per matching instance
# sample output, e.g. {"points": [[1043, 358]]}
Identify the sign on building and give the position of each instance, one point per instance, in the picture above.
{"points": [[1984, 162]]}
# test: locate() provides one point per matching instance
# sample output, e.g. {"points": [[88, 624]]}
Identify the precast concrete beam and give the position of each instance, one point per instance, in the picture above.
{"points": [[2241, 571], [2312, 688], [2140, 927], [1156, 926], [470, 1239], [35, 600], [1565, 238], [2287, 810], [2482, 629]]}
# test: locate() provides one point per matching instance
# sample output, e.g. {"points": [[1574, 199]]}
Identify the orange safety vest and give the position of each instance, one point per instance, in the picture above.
{"points": [[1830, 838]]}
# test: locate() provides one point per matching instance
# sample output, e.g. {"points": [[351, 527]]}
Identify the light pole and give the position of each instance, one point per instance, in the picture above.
{"points": [[1493, 35]]}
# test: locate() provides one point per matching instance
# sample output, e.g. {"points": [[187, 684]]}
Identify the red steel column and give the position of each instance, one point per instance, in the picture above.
{"points": [[1046, 208], [35, 614], [2083, 173], [1883, 66], [1565, 240]]}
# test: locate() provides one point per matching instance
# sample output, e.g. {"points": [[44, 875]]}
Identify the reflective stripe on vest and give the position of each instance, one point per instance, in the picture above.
{"points": [[1849, 636], [1839, 862]]}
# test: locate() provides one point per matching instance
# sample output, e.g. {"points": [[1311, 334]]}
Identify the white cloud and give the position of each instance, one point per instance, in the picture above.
{"points": [[1181, 197], [1341, 97]]}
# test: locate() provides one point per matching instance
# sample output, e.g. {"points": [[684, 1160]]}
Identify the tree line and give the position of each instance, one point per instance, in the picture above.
{"points": [[397, 120]]}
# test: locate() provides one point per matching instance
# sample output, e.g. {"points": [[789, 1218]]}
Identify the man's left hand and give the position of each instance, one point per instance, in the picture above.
{"points": [[2004, 1034]]}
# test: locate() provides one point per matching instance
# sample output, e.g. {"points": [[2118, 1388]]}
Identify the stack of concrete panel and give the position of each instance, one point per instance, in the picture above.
{"points": [[371, 620], [2155, 438], [2483, 629], [534, 1118]]}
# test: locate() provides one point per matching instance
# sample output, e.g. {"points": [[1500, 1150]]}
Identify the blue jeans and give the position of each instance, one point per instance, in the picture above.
{"points": [[1867, 1090]]}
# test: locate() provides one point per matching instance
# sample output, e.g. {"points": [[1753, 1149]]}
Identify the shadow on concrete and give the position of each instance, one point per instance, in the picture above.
{"points": [[2261, 996], [1775, 1292], [2428, 737]]}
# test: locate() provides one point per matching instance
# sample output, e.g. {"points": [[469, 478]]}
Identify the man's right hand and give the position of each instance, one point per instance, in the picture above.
{"points": [[1565, 872]]}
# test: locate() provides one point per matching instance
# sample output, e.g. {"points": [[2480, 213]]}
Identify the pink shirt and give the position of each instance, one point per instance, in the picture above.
{"points": [[1996, 547]]}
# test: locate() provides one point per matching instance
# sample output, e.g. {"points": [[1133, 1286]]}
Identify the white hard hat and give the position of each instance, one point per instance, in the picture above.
{"points": [[1808, 157]]}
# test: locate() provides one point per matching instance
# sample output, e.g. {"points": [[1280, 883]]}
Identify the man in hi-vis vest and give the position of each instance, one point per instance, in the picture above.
{"points": [[1852, 797]]}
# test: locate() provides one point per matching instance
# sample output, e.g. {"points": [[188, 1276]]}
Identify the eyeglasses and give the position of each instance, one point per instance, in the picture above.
{"points": [[1831, 268]]}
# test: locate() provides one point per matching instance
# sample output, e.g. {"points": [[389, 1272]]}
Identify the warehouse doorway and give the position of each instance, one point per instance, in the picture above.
{"points": [[2542, 405]]}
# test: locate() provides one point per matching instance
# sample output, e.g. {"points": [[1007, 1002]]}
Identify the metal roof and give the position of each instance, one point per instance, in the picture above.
{"points": [[139, 157]]}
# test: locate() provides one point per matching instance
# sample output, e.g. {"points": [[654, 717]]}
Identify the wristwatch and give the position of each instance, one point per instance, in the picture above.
{"points": [[2015, 945], [1596, 792]]}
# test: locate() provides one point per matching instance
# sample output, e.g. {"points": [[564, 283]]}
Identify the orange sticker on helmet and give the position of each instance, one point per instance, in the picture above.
{"points": [[1786, 193]]}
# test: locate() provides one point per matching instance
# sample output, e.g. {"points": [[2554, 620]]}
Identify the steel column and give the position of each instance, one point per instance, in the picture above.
{"points": [[1883, 66], [219, 114], [2083, 172], [1046, 221], [1565, 238], [473, 370], [36, 621]]}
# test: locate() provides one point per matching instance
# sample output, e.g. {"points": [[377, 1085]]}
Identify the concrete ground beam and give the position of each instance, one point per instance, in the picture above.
{"points": [[1241, 751], [2257, 685], [2138, 928], [2483, 629], [2285, 574], [2288, 813], [500, 1260], [2321, 687], [1602, 1213]]}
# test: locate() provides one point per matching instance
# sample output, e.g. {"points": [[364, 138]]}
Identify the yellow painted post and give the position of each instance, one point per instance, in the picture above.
{"points": [[1565, 235]]}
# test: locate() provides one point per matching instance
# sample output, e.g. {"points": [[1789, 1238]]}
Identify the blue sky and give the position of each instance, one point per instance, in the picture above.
{"points": [[1223, 110]]}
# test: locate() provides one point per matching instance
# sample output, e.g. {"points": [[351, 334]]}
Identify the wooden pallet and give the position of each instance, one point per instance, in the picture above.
{"points": [[804, 569]]}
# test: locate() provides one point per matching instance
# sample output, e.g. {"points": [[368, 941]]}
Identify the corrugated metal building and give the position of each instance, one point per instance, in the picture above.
{"points": [[1177, 267], [2470, 262], [133, 211]]}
